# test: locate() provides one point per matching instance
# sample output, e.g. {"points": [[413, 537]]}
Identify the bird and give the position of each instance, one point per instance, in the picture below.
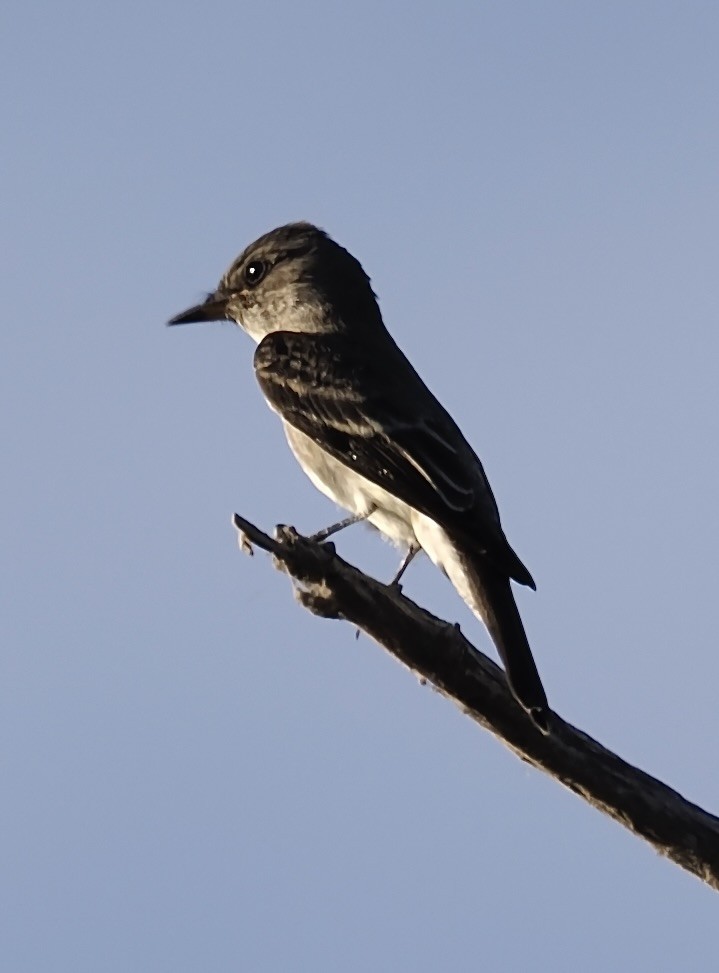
{"points": [[368, 432]]}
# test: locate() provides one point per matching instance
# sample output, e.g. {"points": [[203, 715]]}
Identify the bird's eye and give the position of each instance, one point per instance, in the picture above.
{"points": [[255, 271]]}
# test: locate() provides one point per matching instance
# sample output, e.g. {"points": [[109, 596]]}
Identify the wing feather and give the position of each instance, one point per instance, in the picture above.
{"points": [[388, 427]]}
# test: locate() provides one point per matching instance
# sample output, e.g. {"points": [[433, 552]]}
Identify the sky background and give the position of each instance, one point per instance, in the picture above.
{"points": [[196, 774]]}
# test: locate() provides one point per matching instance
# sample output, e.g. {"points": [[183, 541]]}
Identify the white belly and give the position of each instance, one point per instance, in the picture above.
{"points": [[352, 491], [398, 521]]}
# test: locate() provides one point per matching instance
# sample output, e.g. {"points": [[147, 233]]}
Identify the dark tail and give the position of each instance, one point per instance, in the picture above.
{"points": [[493, 602]]}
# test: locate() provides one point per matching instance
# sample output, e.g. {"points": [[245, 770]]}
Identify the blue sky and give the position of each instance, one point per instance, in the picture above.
{"points": [[196, 773]]}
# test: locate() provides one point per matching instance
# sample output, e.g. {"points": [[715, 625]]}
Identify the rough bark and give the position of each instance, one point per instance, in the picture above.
{"points": [[439, 653]]}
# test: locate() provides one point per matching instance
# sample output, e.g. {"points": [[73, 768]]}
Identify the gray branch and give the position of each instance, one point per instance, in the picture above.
{"points": [[439, 653]]}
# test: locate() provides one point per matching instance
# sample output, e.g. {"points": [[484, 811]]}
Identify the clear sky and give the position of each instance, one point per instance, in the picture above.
{"points": [[195, 773]]}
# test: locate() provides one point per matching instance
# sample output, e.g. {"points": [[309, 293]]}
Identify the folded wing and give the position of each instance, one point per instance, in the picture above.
{"points": [[376, 416]]}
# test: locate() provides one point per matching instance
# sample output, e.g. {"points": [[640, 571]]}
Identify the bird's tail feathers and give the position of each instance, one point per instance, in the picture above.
{"points": [[490, 597]]}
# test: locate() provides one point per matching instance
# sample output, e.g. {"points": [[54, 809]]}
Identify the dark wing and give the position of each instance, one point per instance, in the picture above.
{"points": [[369, 409]]}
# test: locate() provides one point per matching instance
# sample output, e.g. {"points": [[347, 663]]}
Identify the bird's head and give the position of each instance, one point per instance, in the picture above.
{"points": [[294, 278]]}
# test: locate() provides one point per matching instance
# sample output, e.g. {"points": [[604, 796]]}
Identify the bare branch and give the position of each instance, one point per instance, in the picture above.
{"points": [[438, 652]]}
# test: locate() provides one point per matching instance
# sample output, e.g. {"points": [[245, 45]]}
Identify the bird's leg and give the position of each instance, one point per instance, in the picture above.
{"points": [[412, 551], [322, 535]]}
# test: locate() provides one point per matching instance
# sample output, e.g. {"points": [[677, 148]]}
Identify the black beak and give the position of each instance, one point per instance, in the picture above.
{"points": [[213, 309]]}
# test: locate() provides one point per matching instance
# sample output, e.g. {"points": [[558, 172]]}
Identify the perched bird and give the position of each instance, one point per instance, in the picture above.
{"points": [[367, 430]]}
